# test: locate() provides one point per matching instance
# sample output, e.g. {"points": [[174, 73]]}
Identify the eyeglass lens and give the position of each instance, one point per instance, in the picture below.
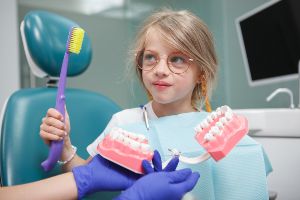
{"points": [[177, 61]]}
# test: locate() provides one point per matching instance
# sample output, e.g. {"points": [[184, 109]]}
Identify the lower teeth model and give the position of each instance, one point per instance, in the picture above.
{"points": [[217, 134], [126, 149]]}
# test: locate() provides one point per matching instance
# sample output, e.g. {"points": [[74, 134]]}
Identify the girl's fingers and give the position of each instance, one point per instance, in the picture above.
{"points": [[48, 136], [54, 113], [50, 121], [52, 130]]}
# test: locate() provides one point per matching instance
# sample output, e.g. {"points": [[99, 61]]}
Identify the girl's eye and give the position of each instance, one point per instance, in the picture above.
{"points": [[149, 58], [177, 59]]}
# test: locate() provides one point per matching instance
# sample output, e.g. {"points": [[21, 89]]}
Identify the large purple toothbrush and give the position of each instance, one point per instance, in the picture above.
{"points": [[74, 44]]}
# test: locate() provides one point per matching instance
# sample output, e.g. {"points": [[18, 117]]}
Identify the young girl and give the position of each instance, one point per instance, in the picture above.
{"points": [[175, 60]]}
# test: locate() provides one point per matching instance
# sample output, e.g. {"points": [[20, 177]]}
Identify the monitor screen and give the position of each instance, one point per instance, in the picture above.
{"points": [[269, 37]]}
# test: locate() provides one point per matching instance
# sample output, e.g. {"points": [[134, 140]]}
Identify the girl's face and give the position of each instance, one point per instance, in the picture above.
{"points": [[166, 87]]}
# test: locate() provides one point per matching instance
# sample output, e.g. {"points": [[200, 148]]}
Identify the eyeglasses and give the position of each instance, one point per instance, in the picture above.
{"points": [[177, 62]]}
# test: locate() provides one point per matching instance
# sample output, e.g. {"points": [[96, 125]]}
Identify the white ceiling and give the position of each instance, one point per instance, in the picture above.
{"points": [[110, 8]]}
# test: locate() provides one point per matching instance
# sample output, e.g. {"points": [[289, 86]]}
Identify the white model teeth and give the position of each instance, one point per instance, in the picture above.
{"points": [[223, 120], [145, 147], [209, 119], [135, 144], [209, 136], [141, 138], [214, 115], [223, 114], [114, 135], [198, 128], [219, 125], [212, 133], [125, 133], [120, 138], [128, 134], [215, 130], [228, 116], [225, 109], [115, 131], [204, 124], [129, 139], [219, 111]]}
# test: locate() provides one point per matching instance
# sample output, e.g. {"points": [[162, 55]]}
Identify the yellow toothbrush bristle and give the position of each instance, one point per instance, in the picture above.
{"points": [[76, 39]]}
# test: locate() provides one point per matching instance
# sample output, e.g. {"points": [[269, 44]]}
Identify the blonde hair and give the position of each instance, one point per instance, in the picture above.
{"points": [[189, 34]]}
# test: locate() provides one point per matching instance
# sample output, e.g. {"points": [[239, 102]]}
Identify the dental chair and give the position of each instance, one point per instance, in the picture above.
{"points": [[44, 37]]}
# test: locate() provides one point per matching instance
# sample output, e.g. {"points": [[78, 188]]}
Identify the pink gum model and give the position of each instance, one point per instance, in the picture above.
{"points": [[221, 131], [126, 149]]}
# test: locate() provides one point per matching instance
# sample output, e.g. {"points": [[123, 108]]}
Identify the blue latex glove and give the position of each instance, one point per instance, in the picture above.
{"points": [[101, 174], [157, 164], [161, 186]]}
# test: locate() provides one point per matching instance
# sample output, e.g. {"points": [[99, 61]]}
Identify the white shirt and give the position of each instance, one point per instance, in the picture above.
{"points": [[123, 117]]}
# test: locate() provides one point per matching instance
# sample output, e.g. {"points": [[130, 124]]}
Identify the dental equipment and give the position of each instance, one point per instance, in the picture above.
{"points": [[74, 44], [282, 90]]}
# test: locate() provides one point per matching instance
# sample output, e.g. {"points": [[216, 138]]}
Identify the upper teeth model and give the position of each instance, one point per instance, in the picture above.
{"points": [[214, 123], [218, 133]]}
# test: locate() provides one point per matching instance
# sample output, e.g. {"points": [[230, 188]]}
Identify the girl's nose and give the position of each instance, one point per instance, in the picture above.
{"points": [[162, 69]]}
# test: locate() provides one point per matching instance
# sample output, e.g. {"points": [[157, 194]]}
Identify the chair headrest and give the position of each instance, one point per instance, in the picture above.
{"points": [[44, 36]]}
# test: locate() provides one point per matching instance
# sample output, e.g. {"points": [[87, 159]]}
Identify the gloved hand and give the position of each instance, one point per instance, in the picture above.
{"points": [[101, 174], [157, 164], [161, 186]]}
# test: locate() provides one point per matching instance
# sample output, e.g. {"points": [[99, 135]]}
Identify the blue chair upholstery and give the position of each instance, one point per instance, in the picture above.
{"points": [[22, 149]]}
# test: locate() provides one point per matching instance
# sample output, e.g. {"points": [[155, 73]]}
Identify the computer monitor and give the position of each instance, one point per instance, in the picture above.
{"points": [[269, 36]]}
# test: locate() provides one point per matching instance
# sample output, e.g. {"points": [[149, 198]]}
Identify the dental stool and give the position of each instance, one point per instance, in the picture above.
{"points": [[44, 37]]}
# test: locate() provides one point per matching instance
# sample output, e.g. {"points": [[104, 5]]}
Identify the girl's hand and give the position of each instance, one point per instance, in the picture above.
{"points": [[53, 127]]}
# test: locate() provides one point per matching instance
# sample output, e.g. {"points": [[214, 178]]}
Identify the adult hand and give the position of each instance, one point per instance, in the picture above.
{"points": [[157, 164], [161, 186], [102, 175]]}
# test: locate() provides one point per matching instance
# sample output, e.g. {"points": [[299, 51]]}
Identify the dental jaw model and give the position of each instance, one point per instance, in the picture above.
{"points": [[221, 131], [126, 149], [217, 134]]}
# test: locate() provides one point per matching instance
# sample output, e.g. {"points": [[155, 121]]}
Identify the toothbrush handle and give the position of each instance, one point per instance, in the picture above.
{"points": [[56, 147]]}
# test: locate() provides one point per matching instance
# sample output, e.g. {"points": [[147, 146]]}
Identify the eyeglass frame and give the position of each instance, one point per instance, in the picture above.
{"points": [[137, 55]]}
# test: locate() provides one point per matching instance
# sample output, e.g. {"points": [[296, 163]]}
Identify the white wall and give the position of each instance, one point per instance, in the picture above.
{"points": [[9, 50], [284, 156]]}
